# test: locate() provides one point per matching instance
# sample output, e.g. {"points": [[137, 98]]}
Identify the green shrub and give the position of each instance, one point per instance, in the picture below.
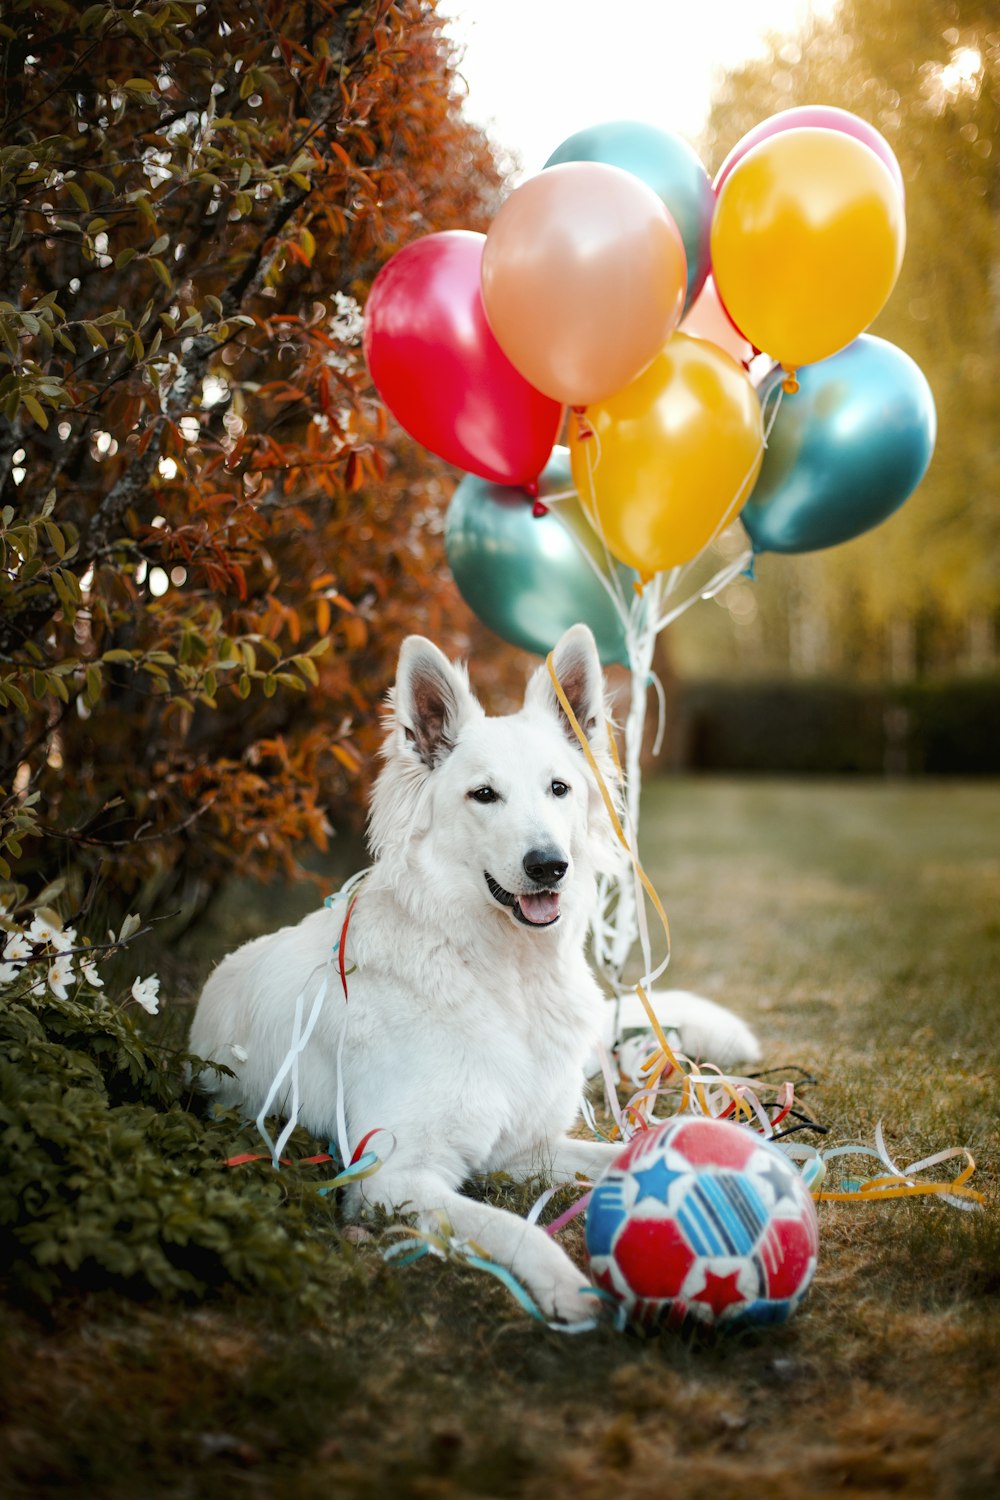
{"points": [[108, 1175]]}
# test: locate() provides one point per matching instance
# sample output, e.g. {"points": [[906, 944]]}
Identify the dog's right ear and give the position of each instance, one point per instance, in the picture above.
{"points": [[431, 699]]}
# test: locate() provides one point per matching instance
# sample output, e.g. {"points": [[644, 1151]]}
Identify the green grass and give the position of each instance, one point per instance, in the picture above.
{"points": [[857, 926]]}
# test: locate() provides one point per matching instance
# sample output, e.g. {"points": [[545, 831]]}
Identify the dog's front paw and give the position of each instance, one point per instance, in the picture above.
{"points": [[571, 1300]]}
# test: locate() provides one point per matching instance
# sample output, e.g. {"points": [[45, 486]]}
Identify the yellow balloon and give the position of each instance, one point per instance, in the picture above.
{"points": [[670, 459], [807, 242]]}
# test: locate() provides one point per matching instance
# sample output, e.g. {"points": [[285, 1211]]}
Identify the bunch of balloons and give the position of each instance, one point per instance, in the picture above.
{"points": [[624, 284]]}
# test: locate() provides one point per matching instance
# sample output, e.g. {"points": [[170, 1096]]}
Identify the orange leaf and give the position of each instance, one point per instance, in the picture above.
{"points": [[346, 758]]}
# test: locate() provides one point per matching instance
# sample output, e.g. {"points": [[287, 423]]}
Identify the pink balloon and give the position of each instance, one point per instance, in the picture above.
{"points": [[708, 320], [584, 276], [441, 372], [824, 117]]}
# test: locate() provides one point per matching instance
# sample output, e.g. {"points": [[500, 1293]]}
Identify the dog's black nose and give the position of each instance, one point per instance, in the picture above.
{"points": [[545, 866]]}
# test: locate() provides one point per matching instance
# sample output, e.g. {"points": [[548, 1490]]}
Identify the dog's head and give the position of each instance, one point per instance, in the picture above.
{"points": [[503, 814]]}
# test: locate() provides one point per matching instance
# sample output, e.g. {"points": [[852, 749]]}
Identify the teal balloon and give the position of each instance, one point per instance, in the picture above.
{"points": [[846, 449], [524, 575], [668, 165]]}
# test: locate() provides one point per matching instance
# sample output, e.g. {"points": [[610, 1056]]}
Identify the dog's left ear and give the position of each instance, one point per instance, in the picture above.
{"points": [[431, 699], [578, 668]]}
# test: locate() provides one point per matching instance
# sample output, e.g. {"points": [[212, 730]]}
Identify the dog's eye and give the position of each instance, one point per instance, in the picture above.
{"points": [[559, 789], [484, 794]]}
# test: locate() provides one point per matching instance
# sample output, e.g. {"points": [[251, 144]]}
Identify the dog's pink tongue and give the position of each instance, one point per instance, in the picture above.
{"points": [[539, 908]]}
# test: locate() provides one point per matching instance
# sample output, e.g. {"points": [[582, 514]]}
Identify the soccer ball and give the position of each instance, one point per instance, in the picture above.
{"points": [[702, 1221]]}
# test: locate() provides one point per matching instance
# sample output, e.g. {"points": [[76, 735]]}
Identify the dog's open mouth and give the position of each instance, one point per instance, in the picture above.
{"points": [[533, 909]]}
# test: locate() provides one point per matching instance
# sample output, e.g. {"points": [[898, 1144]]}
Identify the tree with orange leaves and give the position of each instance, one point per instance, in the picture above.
{"points": [[209, 545]]}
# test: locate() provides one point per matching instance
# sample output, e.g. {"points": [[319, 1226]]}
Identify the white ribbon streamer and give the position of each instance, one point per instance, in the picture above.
{"points": [[289, 1068]]}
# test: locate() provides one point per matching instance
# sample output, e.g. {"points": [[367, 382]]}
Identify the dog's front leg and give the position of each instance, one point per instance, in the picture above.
{"points": [[557, 1285]]}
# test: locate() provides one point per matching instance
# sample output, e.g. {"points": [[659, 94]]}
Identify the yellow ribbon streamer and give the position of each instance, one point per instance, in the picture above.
{"points": [[647, 884]]}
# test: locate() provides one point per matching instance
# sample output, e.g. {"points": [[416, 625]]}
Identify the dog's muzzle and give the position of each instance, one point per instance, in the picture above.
{"points": [[531, 908]]}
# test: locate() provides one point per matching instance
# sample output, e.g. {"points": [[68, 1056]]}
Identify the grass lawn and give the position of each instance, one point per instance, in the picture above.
{"points": [[857, 926]]}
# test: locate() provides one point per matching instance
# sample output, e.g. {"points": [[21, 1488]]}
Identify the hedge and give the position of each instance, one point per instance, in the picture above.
{"points": [[939, 728]]}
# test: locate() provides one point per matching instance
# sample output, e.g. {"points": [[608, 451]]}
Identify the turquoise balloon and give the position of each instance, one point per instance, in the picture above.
{"points": [[845, 450], [669, 166], [524, 575]]}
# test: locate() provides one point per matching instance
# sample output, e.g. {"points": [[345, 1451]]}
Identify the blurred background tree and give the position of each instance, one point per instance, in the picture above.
{"points": [[920, 594], [210, 544]]}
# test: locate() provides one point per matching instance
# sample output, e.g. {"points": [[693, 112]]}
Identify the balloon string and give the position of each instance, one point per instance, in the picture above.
{"points": [[608, 579], [661, 712], [627, 843], [640, 882], [593, 457], [715, 585]]}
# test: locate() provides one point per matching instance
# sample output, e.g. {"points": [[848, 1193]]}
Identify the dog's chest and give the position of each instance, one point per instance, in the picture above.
{"points": [[519, 1070], [481, 1046]]}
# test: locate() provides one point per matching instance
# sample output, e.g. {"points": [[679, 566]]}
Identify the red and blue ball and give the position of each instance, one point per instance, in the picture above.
{"points": [[699, 1221]]}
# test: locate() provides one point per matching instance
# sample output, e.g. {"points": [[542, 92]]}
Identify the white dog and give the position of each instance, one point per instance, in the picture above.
{"points": [[471, 1008]]}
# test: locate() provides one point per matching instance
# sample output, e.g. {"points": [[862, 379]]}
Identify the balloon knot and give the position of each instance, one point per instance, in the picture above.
{"points": [[532, 488], [750, 571], [790, 385], [583, 427], [639, 584], [539, 509]]}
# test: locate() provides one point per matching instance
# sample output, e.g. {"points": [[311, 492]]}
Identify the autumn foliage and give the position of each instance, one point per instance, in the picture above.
{"points": [[210, 544]]}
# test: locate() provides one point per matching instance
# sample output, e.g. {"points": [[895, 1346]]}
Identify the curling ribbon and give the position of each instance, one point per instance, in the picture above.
{"points": [[289, 1068], [446, 1246], [608, 803]]}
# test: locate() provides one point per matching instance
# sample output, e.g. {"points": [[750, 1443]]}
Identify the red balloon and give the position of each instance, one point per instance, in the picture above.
{"points": [[817, 116], [441, 372]]}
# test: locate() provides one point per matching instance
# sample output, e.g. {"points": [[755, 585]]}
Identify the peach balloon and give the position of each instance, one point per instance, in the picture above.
{"points": [[708, 320], [584, 277]]}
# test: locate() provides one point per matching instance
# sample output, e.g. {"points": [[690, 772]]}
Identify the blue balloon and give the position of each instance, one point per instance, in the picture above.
{"points": [[668, 165], [845, 450], [525, 576]]}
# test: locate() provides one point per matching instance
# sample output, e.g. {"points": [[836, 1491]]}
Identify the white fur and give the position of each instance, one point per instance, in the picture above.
{"points": [[467, 1032]]}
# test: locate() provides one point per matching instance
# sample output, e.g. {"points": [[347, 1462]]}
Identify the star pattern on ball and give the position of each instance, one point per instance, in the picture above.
{"points": [[720, 1292], [778, 1180], [655, 1181]]}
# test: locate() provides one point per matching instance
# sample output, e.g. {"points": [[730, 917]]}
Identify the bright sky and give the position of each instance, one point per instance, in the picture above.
{"points": [[538, 70]]}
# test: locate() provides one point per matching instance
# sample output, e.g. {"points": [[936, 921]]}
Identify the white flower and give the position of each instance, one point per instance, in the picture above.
{"points": [[238, 1052], [146, 992], [17, 946], [43, 931], [88, 969], [63, 941], [9, 972], [60, 975]]}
